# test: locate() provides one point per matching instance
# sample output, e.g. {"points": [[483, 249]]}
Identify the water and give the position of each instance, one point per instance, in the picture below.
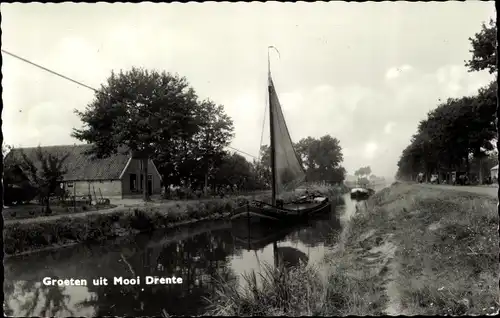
{"points": [[196, 254]]}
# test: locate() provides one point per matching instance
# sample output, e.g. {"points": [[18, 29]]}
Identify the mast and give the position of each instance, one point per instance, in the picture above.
{"points": [[271, 132]]}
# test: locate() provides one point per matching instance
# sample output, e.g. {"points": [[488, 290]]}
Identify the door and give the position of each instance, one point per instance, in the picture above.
{"points": [[150, 184]]}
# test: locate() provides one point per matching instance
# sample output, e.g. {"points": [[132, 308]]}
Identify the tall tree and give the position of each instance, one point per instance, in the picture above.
{"points": [[234, 170], [484, 49], [215, 133], [321, 158], [143, 111]]}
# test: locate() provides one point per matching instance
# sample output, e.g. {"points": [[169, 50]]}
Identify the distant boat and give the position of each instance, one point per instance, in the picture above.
{"points": [[287, 173], [361, 193]]}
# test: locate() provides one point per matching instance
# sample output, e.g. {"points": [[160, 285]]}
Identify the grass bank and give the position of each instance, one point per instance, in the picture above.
{"points": [[28, 211], [25, 237], [410, 250]]}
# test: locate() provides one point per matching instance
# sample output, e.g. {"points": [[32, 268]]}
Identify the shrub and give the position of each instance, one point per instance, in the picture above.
{"points": [[20, 237], [140, 221]]}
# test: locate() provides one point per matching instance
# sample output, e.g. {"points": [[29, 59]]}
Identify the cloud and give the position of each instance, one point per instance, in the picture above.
{"points": [[395, 72], [388, 127], [370, 149]]}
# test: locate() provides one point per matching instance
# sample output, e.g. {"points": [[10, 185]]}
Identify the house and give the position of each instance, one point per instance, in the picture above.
{"points": [[116, 177], [494, 172]]}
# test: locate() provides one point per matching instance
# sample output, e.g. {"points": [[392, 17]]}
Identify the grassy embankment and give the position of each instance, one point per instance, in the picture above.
{"points": [[20, 237], [413, 250], [28, 211]]}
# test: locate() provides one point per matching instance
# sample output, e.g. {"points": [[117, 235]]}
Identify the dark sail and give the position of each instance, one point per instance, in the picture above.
{"points": [[289, 172]]}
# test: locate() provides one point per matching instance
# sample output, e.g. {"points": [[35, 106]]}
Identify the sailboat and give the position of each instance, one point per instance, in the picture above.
{"points": [[286, 171]]}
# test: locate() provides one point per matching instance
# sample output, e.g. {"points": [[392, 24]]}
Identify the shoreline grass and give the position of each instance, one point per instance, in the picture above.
{"points": [[27, 237], [413, 250]]}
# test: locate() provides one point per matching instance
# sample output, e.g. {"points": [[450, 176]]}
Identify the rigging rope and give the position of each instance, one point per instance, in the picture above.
{"points": [[95, 90]]}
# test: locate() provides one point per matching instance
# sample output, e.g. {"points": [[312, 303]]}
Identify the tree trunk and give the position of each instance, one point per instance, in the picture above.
{"points": [[145, 162], [480, 170], [467, 165], [205, 188], [47, 205]]}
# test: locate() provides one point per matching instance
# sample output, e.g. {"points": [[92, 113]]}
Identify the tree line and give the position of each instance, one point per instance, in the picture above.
{"points": [[158, 115], [460, 133]]}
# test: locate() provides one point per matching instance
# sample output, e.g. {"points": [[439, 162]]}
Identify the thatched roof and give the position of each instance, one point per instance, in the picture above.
{"points": [[79, 165]]}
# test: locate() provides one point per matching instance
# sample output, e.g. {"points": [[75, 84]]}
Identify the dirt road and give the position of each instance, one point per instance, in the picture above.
{"points": [[491, 191]]}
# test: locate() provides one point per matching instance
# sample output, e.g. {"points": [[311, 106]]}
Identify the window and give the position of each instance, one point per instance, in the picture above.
{"points": [[133, 182], [142, 181], [141, 165]]}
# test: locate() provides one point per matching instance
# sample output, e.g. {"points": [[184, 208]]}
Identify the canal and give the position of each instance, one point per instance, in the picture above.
{"points": [[198, 254]]}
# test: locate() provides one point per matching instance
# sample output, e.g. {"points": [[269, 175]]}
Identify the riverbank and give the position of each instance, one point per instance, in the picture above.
{"points": [[410, 250], [49, 233]]}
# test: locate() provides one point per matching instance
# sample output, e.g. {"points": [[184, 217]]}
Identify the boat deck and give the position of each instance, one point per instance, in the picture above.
{"points": [[300, 206]]}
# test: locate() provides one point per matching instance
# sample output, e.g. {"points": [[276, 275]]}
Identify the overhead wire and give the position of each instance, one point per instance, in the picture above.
{"points": [[94, 89]]}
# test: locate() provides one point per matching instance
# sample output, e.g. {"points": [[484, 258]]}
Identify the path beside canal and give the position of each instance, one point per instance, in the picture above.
{"points": [[483, 190], [124, 205], [410, 249], [434, 249]]}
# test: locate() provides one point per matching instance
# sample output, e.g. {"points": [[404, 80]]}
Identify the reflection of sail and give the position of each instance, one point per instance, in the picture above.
{"points": [[289, 172], [290, 256]]}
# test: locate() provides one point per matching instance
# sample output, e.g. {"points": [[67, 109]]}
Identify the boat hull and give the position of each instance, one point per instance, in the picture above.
{"points": [[361, 194], [289, 213]]}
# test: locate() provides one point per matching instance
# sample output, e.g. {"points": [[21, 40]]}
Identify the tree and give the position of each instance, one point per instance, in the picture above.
{"points": [[456, 132], [484, 46], [215, 133], [321, 158], [6, 149], [263, 166], [363, 172], [17, 187], [234, 170], [45, 173], [149, 113]]}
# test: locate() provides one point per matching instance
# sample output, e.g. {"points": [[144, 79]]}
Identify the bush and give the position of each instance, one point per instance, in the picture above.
{"points": [[20, 237], [17, 194], [141, 221]]}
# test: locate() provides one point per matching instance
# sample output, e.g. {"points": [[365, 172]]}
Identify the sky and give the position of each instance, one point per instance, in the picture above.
{"points": [[365, 73]]}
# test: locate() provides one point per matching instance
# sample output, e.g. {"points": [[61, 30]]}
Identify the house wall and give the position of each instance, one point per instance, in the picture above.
{"points": [[111, 189], [135, 168]]}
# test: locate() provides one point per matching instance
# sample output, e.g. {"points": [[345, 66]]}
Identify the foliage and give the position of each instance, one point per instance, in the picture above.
{"points": [[25, 236], [484, 46], [158, 115], [144, 111], [195, 160], [235, 169], [321, 159], [459, 131], [275, 292], [6, 149], [363, 172], [45, 173]]}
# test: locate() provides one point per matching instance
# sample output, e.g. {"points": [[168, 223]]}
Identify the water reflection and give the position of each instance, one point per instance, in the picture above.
{"points": [[199, 254]]}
